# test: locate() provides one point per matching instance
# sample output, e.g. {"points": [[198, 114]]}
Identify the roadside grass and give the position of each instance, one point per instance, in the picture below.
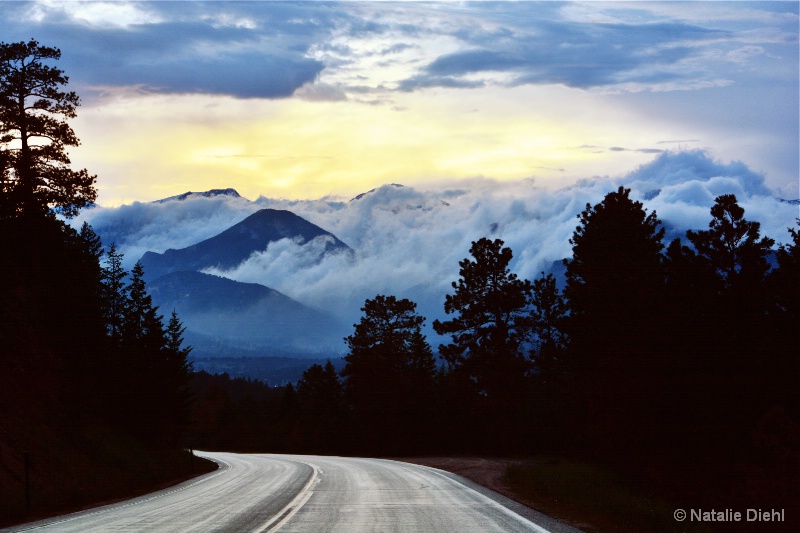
{"points": [[70, 473], [592, 497]]}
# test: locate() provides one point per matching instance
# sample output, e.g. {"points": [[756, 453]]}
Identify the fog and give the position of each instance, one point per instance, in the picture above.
{"points": [[408, 241]]}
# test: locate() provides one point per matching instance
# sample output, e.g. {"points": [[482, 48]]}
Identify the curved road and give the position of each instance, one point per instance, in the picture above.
{"points": [[303, 493]]}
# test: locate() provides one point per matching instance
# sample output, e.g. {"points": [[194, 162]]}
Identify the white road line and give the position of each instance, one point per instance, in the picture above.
{"points": [[293, 506], [496, 505]]}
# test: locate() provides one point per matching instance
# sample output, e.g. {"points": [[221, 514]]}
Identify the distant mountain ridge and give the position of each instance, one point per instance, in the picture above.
{"points": [[363, 194], [233, 246], [398, 208], [244, 315], [196, 291], [231, 316], [204, 194]]}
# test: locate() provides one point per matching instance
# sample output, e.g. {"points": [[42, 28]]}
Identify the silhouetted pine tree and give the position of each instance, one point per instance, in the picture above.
{"points": [[488, 332], [177, 373], [551, 403], [321, 422], [115, 294], [548, 313], [733, 355], [51, 334], [615, 287], [35, 174], [157, 368], [387, 364]]}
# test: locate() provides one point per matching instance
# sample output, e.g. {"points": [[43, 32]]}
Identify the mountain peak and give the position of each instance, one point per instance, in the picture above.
{"points": [[234, 245], [363, 194], [205, 194]]}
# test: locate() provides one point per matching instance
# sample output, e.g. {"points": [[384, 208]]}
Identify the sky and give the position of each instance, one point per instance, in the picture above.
{"points": [[311, 100]]}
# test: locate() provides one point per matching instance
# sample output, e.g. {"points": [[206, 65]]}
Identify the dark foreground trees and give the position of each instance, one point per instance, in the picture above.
{"points": [[389, 377], [34, 134], [86, 366], [674, 368], [614, 288], [488, 332]]}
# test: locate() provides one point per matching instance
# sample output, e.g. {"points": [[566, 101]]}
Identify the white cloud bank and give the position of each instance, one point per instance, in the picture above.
{"points": [[408, 241]]}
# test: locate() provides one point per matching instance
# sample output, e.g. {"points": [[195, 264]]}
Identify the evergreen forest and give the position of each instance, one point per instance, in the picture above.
{"points": [[673, 363], [94, 398]]}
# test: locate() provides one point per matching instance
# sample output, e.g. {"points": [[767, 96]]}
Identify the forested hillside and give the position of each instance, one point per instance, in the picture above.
{"points": [[93, 397]]}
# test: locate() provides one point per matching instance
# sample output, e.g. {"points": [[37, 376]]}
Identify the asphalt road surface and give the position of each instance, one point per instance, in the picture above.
{"points": [[304, 493]]}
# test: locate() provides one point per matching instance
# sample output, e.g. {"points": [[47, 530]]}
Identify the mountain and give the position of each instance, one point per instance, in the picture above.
{"points": [[396, 197], [205, 194], [234, 245], [195, 291], [363, 194], [244, 315], [275, 371]]}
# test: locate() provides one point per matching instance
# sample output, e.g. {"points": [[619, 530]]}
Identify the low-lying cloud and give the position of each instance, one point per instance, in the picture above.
{"points": [[150, 226], [408, 241]]}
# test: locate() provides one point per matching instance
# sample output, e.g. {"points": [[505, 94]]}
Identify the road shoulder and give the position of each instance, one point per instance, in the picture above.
{"points": [[486, 476]]}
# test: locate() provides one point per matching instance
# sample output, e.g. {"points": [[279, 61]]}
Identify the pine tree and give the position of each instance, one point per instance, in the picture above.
{"points": [[175, 331], [115, 294], [387, 364], [487, 358], [733, 247], [615, 293], [490, 323], [616, 262], [34, 135], [784, 315], [176, 372], [737, 361], [142, 325], [785, 280], [548, 312], [321, 403]]}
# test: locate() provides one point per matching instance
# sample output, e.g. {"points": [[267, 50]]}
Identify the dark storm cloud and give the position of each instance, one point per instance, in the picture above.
{"points": [[210, 48], [639, 150], [267, 49], [574, 54]]}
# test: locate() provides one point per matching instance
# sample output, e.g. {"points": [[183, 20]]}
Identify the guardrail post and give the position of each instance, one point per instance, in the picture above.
{"points": [[27, 456]]}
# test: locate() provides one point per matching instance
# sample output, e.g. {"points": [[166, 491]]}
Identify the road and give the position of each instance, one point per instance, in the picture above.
{"points": [[303, 493]]}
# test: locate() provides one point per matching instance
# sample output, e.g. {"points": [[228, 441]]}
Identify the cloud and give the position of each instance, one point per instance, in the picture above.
{"points": [[397, 48], [271, 49], [678, 168], [321, 92], [740, 61], [640, 150], [205, 48], [580, 55], [408, 241], [140, 227]]}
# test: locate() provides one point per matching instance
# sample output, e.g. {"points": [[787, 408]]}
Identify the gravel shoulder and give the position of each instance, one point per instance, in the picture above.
{"points": [[491, 473]]}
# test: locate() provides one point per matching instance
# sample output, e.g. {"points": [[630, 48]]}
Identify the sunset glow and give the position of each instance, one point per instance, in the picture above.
{"points": [[313, 99]]}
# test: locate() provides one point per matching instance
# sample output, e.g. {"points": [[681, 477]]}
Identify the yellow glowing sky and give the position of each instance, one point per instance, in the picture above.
{"points": [[307, 99], [145, 147]]}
